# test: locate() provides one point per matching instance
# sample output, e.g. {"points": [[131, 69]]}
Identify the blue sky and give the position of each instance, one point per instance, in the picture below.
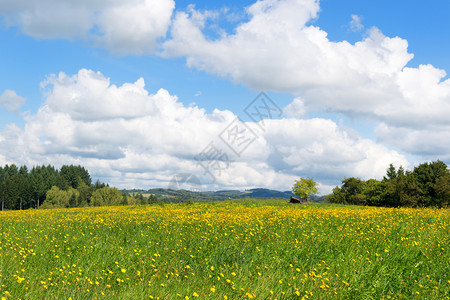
{"points": [[361, 84]]}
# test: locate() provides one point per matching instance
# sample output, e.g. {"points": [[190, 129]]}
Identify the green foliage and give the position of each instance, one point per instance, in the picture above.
{"points": [[57, 198], [427, 185], [304, 188], [106, 197], [45, 185], [74, 176]]}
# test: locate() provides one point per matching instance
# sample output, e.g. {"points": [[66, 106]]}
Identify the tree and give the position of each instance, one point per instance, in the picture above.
{"points": [[391, 173], [304, 188], [442, 188], [56, 198], [85, 194], [427, 175], [373, 192], [75, 175], [106, 196], [337, 196], [353, 189]]}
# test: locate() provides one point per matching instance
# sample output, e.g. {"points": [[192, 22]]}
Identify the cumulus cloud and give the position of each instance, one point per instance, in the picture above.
{"points": [[295, 109], [132, 138], [132, 26], [279, 49], [11, 101]]}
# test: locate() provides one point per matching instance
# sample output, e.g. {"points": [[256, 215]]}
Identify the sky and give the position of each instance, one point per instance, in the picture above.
{"points": [[233, 94]]}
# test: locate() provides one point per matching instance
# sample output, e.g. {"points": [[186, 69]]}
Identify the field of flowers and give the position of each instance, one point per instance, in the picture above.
{"points": [[225, 250]]}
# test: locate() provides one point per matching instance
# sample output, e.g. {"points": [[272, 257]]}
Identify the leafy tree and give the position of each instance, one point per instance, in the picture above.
{"points": [[373, 192], [56, 198], [427, 175], [304, 188], [85, 194], [353, 189], [124, 199], [337, 196], [442, 188], [106, 196], [152, 199]]}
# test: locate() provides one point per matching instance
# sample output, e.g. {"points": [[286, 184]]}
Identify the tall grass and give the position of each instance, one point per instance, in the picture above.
{"points": [[241, 249]]}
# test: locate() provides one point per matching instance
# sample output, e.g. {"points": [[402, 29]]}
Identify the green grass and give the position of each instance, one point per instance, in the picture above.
{"points": [[241, 249]]}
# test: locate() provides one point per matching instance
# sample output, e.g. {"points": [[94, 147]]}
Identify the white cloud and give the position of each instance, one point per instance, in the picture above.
{"points": [[131, 138], [279, 50], [11, 101], [356, 23], [295, 109], [132, 26]]}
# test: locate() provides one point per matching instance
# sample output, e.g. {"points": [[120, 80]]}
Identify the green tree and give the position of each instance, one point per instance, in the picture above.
{"points": [[106, 196], [85, 194], [152, 199], [75, 175], [337, 196], [427, 175], [56, 198], [353, 189], [442, 188], [304, 188], [373, 192]]}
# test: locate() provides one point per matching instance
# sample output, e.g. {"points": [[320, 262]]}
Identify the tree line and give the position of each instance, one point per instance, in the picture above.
{"points": [[428, 185], [47, 187]]}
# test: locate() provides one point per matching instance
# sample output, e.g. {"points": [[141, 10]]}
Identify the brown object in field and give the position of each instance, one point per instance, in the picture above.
{"points": [[294, 200]]}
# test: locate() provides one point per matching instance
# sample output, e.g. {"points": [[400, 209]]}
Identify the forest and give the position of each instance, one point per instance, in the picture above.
{"points": [[428, 185], [48, 187]]}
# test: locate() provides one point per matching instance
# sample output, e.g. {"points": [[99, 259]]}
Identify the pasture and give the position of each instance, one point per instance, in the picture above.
{"points": [[246, 249]]}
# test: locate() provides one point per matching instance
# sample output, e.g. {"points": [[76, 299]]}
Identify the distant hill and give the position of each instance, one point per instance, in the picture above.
{"points": [[185, 195]]}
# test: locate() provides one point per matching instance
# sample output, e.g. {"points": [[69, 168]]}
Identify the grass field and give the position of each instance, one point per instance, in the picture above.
{"points": [[225, 250]]}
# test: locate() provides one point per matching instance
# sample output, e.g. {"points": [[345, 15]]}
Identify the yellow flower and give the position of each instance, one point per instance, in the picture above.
{"points": [[213, 289], [123, 270], [194, 294], [20, 279]]}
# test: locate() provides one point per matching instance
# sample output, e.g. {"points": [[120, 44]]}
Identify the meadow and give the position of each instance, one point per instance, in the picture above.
{"points": [[246, 249]]}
